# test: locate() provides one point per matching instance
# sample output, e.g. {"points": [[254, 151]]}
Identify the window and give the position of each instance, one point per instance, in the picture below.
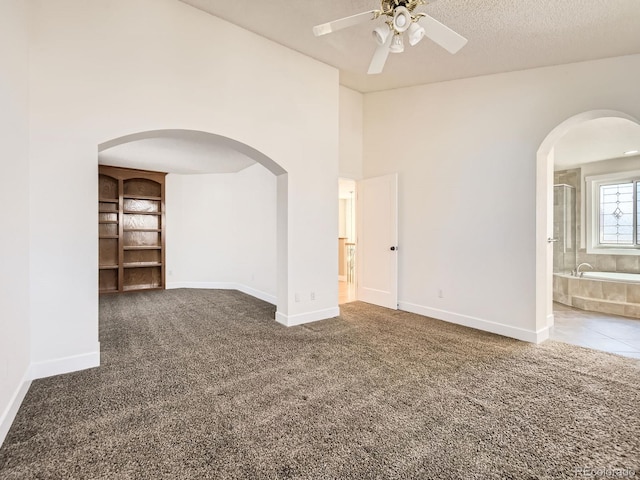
{"points": [[617, 214], [613, 221]]}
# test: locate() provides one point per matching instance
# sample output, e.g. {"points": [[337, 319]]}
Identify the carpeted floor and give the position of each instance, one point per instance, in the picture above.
{"points": [[205, 384]]}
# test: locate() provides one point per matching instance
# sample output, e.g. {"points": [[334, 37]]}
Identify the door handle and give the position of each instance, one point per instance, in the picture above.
{"points": [[552, 240], [393, 249]]}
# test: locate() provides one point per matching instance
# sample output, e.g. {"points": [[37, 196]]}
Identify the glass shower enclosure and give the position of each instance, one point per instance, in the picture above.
{"points": [[564, 229]]}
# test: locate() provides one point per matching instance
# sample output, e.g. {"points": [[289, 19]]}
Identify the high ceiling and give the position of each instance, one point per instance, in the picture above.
{"points": [[186, 154], [504, 35], [595, 140]]}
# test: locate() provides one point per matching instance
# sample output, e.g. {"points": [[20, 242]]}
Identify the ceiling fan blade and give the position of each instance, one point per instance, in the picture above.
{"points": [[330, 27], [442, 35], [380, 57]]}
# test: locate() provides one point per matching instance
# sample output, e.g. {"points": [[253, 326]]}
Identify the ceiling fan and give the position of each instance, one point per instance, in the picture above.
{"points": [[400, 19]]}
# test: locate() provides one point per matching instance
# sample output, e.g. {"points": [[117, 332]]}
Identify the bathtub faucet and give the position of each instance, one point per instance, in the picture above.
{"points": [[578, 272]]}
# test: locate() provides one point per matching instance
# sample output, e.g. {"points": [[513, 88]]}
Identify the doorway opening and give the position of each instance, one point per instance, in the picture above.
{"points": [[227, 207], [347, 241], [576, 231]]}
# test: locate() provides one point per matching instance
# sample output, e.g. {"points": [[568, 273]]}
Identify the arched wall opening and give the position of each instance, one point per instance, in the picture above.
{"points": [[544, 208], [136, 86], [240, 147], [226, 209]]}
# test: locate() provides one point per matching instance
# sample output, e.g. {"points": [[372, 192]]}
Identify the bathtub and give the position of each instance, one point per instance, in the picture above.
{"points": [[613, 276], [606, 292]]}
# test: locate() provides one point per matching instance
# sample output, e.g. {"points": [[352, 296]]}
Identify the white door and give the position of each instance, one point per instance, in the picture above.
{"points": [[377, 249]]}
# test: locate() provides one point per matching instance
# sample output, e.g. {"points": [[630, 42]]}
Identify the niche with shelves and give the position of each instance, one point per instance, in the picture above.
{"points": [[131, 229]]}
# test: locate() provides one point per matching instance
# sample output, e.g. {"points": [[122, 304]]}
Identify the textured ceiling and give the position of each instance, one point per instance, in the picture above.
{"points": [[504, 35], [600, 139]]}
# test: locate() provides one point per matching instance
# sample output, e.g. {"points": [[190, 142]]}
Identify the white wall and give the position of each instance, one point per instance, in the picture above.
{"points": [[467, 177], [199, 215], [351, 131], [14, 214], [254, 232], [103, 70], [613, 165], [221, 231]]}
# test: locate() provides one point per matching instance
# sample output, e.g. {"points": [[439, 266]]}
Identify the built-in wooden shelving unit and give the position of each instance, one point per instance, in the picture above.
{"points": [[131, 229]]}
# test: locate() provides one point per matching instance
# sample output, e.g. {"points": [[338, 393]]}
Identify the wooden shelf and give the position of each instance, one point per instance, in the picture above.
{"points": [[108, 290], [142, 265], [130, 212], [131, 288], [141, 197], [131, 241]]}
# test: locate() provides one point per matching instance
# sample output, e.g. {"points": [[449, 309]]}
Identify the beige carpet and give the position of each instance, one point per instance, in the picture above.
{"points": [[205, 384]]}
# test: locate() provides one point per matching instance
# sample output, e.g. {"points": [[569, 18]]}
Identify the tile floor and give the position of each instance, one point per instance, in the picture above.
{"points": [[599, 331]]}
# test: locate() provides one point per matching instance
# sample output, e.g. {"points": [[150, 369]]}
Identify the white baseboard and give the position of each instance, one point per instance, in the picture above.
{"points": [[9, 414], [287, 320], [38, 370], [530, 336], [266, 297], [202, 285], [59, 366], [307, 317], [551, 320], [543, 334]]}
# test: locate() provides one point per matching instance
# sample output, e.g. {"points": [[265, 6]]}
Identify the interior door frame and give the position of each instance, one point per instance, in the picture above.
{"points": [[355, 232], [377, 298]]}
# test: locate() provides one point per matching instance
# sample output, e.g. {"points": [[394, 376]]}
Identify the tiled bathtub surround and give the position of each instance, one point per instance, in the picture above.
{"points": [[616, 298], [603, 296], [610, 263]]}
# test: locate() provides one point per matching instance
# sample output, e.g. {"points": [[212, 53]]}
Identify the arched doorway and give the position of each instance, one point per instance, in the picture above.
{"points": [[212, 144], [544, 209]]}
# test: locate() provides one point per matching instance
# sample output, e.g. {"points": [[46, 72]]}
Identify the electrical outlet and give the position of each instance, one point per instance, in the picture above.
{"points": [[297, 297], [313, 295], [440, 293]]}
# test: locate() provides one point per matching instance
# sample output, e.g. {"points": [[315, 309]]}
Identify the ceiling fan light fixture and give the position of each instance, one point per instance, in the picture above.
{"points": [[397, 44], [401, 19], [381, 34], [415, 34]]}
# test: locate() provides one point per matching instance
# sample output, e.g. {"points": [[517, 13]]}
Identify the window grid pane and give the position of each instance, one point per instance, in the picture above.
{"points": [[617, 214]]}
